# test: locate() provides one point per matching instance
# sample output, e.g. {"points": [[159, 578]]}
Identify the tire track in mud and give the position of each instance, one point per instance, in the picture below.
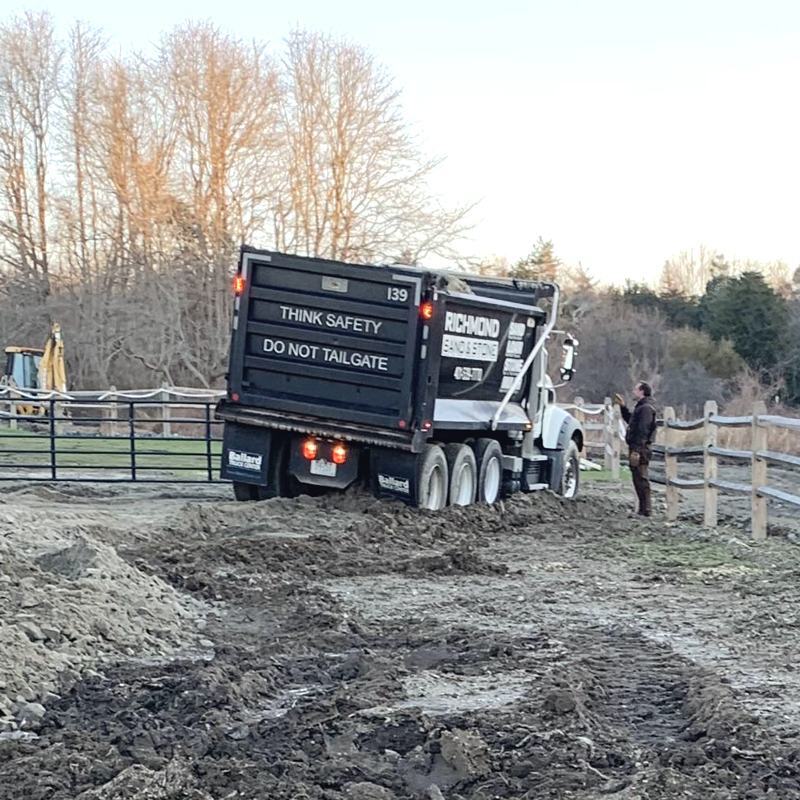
{"points": [[308, 693]]}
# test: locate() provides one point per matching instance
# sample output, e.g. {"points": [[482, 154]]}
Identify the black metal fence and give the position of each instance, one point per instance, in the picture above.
{"points": [[110, 440]]}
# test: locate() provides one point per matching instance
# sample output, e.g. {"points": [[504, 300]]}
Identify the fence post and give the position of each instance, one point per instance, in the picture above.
{"points": [[670, 464], [581, 417], [608, 449], [710, 493], [616, 442], [111, 414], [759, 473], [57, 409], [209, 451], [166, 427], [12, 409], [53, 441]]}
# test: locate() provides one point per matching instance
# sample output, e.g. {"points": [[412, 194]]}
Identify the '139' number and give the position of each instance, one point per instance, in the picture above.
{"points": [[396, 294]]}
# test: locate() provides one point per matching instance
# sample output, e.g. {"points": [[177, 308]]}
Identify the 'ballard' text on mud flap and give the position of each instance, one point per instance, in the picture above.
{"points": [[394, 475], [245, 454]]}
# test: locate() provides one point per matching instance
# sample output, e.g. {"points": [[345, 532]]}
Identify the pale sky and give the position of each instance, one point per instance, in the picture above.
{"points": [[624, 130]]}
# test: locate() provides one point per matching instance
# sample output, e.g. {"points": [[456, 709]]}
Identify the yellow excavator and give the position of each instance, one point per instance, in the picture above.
{"points": [[36, 369]]}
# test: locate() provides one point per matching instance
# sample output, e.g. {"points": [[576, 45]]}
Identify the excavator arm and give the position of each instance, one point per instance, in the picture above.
{"points": [[52, 370]]}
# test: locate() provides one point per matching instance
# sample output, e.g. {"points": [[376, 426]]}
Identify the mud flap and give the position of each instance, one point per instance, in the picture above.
{"points": [[393, 475], [555, 468], [245, 454]]}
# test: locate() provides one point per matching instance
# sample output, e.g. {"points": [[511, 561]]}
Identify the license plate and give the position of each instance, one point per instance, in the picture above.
{"points": [[322, 467]]}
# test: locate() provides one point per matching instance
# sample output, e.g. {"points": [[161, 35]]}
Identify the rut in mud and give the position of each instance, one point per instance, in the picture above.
{"points": [[344, 648]]}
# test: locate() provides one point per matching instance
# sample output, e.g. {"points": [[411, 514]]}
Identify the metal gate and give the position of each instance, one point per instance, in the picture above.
{"points": [[166, 437]]}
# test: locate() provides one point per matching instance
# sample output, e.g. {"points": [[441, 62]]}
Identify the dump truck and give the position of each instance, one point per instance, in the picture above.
{"points": [[428, 386]]}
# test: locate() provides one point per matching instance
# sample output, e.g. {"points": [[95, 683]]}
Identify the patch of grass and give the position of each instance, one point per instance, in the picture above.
{"points": [[177, 458], [676, 553], [605, 475]]}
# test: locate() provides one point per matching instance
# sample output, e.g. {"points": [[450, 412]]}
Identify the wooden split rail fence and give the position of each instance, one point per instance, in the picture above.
{"points": [[759, 456], [603, 431]]}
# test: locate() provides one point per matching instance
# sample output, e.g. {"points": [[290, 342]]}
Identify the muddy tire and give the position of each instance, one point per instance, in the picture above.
{"points": [[489, 456], [432, 478], [245, 492], [277, 475], [571, 472], [278, 471], [463, 470]]}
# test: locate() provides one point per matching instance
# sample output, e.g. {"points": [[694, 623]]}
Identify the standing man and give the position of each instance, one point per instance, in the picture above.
{"points": [[641, 424]]}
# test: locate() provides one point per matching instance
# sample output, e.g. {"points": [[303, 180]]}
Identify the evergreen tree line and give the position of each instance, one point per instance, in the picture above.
{"points": [[711, 329]]}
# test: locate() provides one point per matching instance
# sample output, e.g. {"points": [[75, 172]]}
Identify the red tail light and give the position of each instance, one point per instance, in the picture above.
{"points": [[310, 449], [426, 310], [238, 285], [339, 454]]}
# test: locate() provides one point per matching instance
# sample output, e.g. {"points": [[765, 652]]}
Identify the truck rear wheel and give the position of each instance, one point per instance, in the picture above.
{"points": [[463, 474], [432, 478], [245, 491], [277, 475], [489, 456]]}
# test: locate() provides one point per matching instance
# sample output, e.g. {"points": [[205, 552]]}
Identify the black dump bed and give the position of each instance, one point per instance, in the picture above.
{"points": [[326, 339], [352, 345]]}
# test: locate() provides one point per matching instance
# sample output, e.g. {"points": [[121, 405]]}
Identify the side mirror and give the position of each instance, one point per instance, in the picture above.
{"points": [[570, 348]]}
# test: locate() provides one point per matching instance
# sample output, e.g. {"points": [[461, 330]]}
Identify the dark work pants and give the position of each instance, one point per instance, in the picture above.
{"points": [[641, 482]]}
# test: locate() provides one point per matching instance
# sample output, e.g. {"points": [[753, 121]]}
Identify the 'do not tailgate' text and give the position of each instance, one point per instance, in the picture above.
{"points": [[326, 355]]}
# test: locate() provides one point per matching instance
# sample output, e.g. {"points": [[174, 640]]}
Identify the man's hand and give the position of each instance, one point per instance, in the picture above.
{"points": [[619, 399]]}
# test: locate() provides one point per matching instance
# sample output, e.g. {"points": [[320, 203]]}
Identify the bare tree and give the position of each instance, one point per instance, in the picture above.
{"points": [[127, 183], [29, 69], [577, 279], [779, 276], [688, 272], [355, 184], [78, 210], [611, 359], [491, 267], [225, 105]]}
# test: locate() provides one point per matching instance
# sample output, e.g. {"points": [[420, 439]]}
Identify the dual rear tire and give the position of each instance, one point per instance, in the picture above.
{"points": [[459, 475]]}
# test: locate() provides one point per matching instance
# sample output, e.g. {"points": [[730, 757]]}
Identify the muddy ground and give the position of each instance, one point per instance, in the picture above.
{"points": [[178, 645]]}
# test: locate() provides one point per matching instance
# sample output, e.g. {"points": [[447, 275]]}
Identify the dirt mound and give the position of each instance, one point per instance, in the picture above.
{"points": [[234, 545], [69, 603]]}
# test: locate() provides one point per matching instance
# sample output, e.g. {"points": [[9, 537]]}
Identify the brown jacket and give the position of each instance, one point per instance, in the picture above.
{"points": [[641, 423]]}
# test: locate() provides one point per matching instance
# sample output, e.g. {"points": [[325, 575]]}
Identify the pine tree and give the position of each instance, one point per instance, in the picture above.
{"points": [[749, 313], [541, 264]]}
